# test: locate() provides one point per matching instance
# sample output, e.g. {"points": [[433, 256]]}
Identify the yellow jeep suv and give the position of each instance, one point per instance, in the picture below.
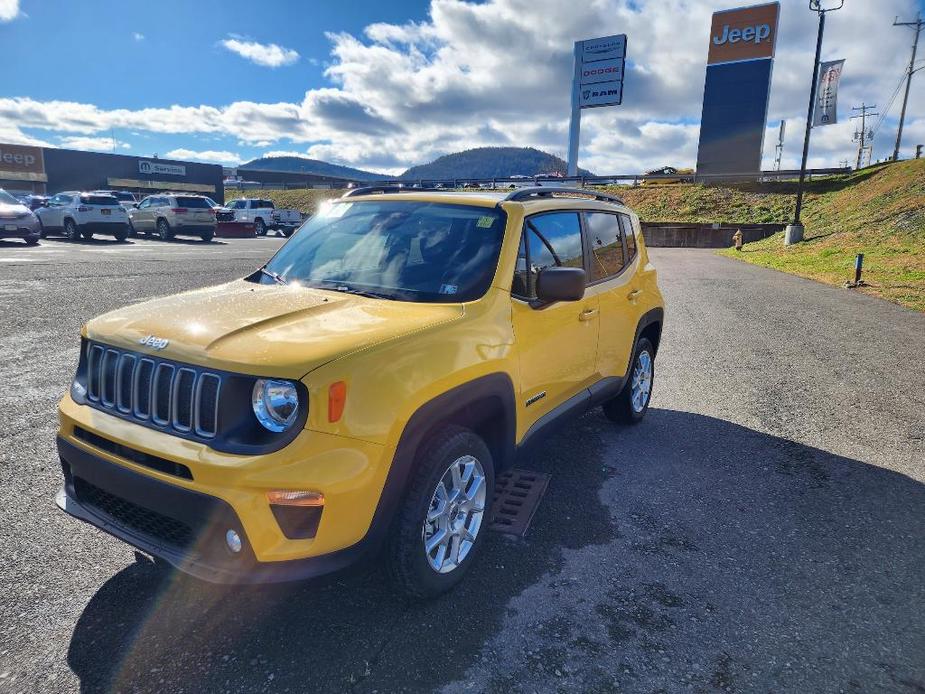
{"points": [[360, 392]]}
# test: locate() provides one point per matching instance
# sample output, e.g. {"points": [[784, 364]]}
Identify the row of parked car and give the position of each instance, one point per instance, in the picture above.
{"points": [[80, 215]]}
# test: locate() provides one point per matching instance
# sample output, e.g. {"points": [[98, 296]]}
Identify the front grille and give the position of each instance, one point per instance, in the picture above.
{"points": [[224, 216], [157, 392], [151, 461], [133, 516]]}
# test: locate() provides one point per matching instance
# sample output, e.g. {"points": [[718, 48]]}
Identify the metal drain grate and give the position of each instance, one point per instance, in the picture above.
{"points": [[517, 496]]}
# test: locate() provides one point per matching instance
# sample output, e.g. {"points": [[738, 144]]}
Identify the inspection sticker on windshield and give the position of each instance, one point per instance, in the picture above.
{"points": [[448, 288], [485, 222]]}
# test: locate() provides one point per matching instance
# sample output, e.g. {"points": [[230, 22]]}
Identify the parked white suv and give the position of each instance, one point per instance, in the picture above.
{"points": [[265, 215], [77, 215], [172, 214]]}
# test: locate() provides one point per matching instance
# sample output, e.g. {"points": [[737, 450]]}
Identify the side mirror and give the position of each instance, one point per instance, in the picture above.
{"points": [[561, 284]]}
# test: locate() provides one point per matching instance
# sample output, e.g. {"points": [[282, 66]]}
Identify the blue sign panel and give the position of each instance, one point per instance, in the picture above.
{"points": [[735, 107]]}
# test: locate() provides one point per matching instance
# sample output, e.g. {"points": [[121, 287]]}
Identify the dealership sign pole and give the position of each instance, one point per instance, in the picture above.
{"points": [[597, 81]]}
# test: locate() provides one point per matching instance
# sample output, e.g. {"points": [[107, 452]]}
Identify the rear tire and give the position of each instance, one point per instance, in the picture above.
{"points": [[207, 236], [631, 405], [42, 232], [164, 232], [32, 240], [71, 232], [260, 228], [448, 497], [121, 235]]}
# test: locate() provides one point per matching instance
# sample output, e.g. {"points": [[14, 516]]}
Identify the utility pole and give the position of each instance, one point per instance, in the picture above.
{"points": [[780, 145], [794, 231], [863, 136], [917, 26]]}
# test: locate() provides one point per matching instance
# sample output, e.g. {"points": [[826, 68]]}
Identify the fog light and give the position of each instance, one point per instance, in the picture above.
{"points": [[233, 540]]}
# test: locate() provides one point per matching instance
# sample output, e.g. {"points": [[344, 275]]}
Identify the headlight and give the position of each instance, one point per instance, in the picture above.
{"points": [[276, 403]]}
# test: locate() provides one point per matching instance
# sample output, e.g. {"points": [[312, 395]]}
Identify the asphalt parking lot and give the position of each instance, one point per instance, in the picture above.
{"points": [[762, 530]]}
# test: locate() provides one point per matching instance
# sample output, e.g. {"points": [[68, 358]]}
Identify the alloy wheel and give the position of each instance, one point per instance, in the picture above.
{"points": [[641, 385], [454, 517]]}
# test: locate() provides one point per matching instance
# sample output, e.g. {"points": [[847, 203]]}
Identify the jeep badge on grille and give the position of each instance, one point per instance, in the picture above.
{"points": [[154, 341]]}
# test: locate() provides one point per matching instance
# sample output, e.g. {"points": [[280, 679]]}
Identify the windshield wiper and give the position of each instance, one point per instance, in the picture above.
{"points": [[359, 292], [275, 277]]}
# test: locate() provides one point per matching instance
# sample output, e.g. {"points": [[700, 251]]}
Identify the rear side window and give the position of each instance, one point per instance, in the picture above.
{"points": [[606, 241], [199, 203], [548, 240], [266, 203], [630, 237], [98, 200]]}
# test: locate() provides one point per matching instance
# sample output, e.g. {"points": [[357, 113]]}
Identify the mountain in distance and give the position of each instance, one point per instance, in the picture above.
{"points": [[306, 165], [490, 162]]}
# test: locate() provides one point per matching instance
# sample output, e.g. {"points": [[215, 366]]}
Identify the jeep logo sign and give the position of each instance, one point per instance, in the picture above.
{"points": [[747, 33], [21, 158], [756, 34]]}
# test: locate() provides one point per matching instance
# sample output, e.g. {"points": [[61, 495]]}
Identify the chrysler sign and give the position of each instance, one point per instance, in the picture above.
{"points": [[156, 167]]}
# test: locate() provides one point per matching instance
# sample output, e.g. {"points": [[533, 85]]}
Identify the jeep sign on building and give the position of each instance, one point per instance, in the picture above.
{"points": [[736, 92]]}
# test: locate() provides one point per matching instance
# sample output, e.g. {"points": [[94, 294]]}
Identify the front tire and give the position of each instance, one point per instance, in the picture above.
{"points": [[441, 525], [71, 230], [43, 233], [32, 240], [121, 235], [631, 405], [260, 228]]}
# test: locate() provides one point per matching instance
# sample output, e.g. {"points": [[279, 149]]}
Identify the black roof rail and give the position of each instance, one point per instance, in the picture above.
{"points": [[368, 190], [522, 194]]}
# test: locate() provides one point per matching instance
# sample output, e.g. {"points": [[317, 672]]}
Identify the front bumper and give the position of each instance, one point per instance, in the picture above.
{"points": [[19, 228], [184, 519], [183, 527]]}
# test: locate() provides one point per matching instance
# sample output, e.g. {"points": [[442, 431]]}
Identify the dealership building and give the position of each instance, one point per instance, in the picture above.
{"points": [[47, 170]]}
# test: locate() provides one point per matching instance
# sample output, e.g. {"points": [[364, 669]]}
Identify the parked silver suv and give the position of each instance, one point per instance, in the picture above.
{"points": [[168, 215]]}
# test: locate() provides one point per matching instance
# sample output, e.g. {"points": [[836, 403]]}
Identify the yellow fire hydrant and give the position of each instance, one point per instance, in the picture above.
{"points": [[737, 237]]}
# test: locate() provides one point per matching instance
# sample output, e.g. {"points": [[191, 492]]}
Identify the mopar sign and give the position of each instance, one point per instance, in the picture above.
{"points": [[156, 167]]}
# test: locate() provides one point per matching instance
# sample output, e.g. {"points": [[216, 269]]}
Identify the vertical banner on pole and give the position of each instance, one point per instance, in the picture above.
{"points": [[825, 111], [597, 82]]}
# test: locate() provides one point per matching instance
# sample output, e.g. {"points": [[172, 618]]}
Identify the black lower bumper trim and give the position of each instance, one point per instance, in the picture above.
{"points": [[181, 526]]}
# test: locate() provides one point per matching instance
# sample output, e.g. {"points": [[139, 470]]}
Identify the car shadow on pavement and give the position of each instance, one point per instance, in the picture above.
{"points": [[760, 529]]}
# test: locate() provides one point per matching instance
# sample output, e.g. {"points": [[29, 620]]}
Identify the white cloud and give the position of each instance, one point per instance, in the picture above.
{"points": [[208, 156], [97, 144], [266, 54], [138, 36], [9, 10], [488, 73]]}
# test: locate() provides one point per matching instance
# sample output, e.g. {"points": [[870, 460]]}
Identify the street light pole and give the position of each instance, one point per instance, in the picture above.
{"points": [[794, 232]]}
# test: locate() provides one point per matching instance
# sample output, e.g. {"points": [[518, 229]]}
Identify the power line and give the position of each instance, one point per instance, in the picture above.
{"points": [[917, 25], [863, 137]]}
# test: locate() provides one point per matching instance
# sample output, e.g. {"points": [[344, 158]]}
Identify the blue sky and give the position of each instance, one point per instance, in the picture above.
{"points": [[386, 85]]}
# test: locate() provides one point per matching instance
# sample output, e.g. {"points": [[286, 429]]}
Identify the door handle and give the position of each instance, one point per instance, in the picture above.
{"points": [[633, 294], [587, 314]]}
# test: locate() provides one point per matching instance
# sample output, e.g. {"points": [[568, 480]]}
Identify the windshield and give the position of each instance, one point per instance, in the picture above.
{"points": [[409, 251], [7, 199]]}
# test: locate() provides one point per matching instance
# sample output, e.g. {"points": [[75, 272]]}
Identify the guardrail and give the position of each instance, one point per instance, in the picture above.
{"points": [[517, 182]]}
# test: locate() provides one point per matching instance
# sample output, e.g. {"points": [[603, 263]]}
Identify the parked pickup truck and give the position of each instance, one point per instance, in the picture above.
{"points": [[265, 215]]}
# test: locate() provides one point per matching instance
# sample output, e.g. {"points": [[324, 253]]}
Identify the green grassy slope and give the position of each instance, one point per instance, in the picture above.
{"points": [[879, 211]]}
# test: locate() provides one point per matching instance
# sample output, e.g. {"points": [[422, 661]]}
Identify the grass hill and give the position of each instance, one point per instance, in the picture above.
{"points": [[490, 162], [879, 211], [306, 165]]}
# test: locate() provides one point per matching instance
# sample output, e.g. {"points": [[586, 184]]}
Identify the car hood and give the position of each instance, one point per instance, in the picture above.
{"points": [[8, 211], [267, 330]]}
